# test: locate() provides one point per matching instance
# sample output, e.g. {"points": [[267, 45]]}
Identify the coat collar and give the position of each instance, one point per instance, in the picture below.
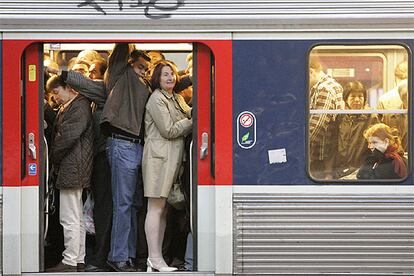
{"points": [[70, 101], [166, 94]]}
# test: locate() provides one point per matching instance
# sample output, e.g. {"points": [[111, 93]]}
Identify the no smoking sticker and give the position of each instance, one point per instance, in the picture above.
{"points": [[246, 134], [246, 120]]}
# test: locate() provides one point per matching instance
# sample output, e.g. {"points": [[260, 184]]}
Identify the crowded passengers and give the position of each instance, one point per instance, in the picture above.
{"points": [[118, 128], [355, 144]]}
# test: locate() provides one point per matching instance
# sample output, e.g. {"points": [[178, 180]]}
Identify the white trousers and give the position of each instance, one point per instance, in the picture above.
{"points": [[71, 219]]}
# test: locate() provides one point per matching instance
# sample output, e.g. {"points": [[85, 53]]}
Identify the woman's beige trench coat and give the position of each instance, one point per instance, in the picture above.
{"points": [[165, 128]]}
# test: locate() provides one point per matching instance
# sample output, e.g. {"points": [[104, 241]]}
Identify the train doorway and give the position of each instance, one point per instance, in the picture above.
{"points": [[81, 58], [35, 147]]}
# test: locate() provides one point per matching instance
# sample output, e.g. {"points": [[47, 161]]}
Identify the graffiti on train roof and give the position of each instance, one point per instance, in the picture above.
{"points": [[151, 7]]}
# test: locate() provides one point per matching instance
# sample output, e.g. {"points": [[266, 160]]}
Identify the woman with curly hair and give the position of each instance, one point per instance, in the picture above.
{"points": [[386, 160]]}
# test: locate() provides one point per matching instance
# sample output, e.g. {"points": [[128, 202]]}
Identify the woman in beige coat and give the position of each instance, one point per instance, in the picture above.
{"points": [[166, 124]]}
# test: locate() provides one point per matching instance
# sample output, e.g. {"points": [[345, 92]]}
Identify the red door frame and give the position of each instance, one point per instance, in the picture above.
{"points": [[222, 52], [13, 51], [12, 54]]}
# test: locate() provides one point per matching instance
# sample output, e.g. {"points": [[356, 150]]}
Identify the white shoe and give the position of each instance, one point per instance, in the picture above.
{"points": [[158, 264]]}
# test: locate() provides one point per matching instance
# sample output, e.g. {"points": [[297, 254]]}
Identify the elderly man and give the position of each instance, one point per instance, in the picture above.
{"points": [[71, 158]]}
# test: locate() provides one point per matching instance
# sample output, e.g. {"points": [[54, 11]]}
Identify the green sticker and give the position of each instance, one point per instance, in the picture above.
{"points": [[245, 137]]}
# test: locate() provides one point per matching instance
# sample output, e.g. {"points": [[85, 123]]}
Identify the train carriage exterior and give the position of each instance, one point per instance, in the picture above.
{"points": [[256, 207]]}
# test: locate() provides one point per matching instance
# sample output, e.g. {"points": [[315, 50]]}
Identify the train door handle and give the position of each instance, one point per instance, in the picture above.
{"points": [[204, 146], [32, 147]]}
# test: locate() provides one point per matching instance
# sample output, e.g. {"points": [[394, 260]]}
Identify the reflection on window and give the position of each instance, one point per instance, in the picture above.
{"points": [[358, 121]]}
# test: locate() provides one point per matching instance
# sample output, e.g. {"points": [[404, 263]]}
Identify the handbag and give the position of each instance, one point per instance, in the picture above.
{"points": [[88, 214], [176, 196]]}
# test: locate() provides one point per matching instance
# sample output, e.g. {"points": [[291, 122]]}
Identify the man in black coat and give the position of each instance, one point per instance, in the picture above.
{"points": [[71, 158]]}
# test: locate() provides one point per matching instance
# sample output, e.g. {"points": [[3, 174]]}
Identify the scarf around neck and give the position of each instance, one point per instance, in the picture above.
{"points": [[399, 165]]}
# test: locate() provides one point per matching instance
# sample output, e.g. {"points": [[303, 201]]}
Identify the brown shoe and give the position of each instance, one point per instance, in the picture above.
{"points": [[80, 267], [61, 267]]}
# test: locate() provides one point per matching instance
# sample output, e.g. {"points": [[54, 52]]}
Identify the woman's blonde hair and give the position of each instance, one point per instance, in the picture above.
{"points": [[383, 131], [401, 71]]}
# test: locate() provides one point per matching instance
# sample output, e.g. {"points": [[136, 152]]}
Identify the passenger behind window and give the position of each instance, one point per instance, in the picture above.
{"points": [[391, 100], [352, 147], [403, 92], [386, 160], [325, 93]]}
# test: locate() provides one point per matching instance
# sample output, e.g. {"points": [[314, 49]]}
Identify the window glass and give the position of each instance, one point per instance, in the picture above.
{"points": [[358, 119]]}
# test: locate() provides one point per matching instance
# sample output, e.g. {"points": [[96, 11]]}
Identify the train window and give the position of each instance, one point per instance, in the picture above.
{"points": [[358, 119]]}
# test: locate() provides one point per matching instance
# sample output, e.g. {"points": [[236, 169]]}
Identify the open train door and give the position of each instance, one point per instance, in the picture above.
{"points": [[212, 154], [24, 165], [22, 173]]}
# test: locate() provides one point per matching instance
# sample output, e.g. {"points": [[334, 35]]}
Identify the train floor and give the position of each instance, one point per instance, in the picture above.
{"points": [[178, 273]]}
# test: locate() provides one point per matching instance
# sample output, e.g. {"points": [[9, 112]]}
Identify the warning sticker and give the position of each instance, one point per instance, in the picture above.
{"points": [[246, 130], [246, 120]]}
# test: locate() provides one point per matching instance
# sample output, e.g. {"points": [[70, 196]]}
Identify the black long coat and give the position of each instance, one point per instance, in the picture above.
{"points": [[72, 145], [377, 166], [352, 146]]}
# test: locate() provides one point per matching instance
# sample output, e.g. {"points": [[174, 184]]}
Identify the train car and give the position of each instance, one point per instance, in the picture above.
{"points": [[258, 205]]}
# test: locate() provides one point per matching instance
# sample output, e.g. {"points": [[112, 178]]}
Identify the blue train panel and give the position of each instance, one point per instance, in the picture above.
{"points": [[270, 99]]}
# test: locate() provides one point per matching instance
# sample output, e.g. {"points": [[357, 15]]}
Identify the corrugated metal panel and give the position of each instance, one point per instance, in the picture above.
{"points": [[206, 8], [314, 234], [204, 14]]}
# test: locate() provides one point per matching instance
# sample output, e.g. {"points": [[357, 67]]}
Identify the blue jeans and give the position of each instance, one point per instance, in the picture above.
{"points": [[188, 258], [125, 161]]}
